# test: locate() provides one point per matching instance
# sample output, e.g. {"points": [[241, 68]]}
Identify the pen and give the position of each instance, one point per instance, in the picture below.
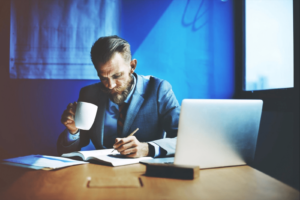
{"points": [[131, 134]]}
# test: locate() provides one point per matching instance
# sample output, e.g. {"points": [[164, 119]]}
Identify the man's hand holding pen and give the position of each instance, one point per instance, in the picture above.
{"points": [[131, 147]]}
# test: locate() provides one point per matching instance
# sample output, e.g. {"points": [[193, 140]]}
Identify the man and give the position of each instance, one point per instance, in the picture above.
{"points": [[125, 101]]}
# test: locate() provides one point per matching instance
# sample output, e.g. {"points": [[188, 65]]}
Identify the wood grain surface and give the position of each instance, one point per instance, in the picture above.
{"points": [[114, 182], [241, 182]]}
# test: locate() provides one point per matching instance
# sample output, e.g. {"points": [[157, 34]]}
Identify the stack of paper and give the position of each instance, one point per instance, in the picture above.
{"points": [[41, 162]]}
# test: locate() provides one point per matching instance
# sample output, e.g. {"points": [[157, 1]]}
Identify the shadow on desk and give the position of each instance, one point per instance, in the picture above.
{"points": [[9, 174]]}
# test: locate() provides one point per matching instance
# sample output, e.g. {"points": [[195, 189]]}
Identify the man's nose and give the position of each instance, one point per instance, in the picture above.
{"points": [[111, 84]]}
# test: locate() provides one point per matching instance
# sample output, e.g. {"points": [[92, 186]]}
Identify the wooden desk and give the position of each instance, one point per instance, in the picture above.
{"points": [[241, 182]]}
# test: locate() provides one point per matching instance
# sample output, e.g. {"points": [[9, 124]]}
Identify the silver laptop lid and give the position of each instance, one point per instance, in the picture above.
{"points": [[217, 133]]}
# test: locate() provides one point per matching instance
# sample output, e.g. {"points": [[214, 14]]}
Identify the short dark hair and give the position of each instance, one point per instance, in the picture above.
{"points": [[103, 49]]}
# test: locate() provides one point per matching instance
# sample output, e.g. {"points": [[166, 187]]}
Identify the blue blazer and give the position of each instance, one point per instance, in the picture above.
{"points": [[154, 109]]}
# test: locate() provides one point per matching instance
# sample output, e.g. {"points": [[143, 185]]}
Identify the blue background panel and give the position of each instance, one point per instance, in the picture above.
{"points": [[189, 43]]}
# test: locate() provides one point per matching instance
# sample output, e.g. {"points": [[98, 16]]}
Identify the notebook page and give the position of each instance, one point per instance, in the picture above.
{"points": [[95, 153], [117, 160]]}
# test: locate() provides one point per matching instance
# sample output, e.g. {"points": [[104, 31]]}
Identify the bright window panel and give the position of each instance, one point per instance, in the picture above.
{"points": [[52, 39], [269, 44]]}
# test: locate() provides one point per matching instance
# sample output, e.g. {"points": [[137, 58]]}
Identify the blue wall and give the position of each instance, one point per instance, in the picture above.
{"points": [[189, 43]]}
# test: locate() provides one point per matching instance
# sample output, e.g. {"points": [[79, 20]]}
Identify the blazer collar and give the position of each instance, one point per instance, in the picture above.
{"points": [[134, 106]]}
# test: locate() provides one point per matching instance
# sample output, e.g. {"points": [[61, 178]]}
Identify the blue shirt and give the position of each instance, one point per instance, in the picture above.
{"points": [[110, 123]]}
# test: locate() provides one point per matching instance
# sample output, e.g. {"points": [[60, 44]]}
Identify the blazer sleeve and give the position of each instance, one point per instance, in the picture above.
{"points": [[168, 110], [82, 141]]}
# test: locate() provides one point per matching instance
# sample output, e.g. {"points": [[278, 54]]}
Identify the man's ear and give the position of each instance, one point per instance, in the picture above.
{"points": [[133, 64]]}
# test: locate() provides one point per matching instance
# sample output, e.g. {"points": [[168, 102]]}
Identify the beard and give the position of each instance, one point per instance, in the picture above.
{"points": [[118, 94]]}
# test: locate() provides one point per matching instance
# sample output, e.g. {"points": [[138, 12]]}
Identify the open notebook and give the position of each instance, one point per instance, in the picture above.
{"points": [[105, 156]]}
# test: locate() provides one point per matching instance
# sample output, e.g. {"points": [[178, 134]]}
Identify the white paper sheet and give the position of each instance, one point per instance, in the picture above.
{"points": [[51, 39]]}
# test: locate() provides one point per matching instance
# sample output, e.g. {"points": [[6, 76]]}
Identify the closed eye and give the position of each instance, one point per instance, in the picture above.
{"points": [[116, 76]]}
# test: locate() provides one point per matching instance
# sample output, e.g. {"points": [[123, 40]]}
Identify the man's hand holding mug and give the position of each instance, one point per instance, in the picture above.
{"points": [[79, 115]]}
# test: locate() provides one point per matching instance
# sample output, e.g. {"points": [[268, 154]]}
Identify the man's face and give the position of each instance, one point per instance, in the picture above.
{"points": [[115, 76]]}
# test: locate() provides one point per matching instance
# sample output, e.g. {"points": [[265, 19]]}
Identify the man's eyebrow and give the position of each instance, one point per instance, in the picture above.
{"points": [[114, 75], [102, 77]]}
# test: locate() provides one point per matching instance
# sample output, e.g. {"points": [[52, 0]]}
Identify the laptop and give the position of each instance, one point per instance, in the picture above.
{"points": [[216, 133]]}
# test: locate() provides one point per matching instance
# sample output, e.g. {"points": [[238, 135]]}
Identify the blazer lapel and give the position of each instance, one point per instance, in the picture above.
{"points": [[135, 105], [98, 129]]}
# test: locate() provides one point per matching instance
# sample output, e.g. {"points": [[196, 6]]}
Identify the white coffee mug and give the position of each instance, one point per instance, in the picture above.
{"points": [[85, 115]]}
